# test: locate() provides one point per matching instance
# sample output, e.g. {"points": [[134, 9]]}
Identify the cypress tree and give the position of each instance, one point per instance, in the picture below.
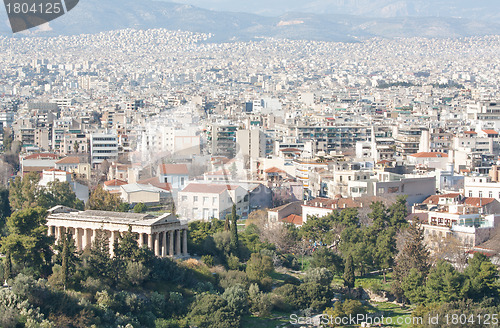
{"points": [[7, 271], [227, 225], [234, 232], [349, 277], [65, 259]]}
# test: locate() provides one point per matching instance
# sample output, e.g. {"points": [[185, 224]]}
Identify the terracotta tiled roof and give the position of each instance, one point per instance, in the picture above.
{"points": [[69, 160], [477, 202], [429, 154], [115, 182], [434, 199], [490, 132], [42, 155], [419, 217], [205, 188], [155, 181], [274, 170], [294, 219], [470, 132], [180, 169]]}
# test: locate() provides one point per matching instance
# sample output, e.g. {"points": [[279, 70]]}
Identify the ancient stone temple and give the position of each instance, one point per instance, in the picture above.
{"points": [[165, 235]]}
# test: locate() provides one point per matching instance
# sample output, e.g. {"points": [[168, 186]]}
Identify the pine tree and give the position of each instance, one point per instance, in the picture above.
{"points": [[412, 255], [99, 260], [65, 260], [234, 232], [349, 277]]}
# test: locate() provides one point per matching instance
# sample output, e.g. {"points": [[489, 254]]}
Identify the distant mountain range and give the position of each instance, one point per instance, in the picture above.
{"points": [[478, 9], [93, 16]]}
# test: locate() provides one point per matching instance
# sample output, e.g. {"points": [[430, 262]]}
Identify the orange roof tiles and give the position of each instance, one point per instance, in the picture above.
{"points": [[115, 182], [69, 160], [42, 155], [179, 169], [274, 170], [429, 154], [205, 188], [294, 219], [490, 132], [478, 202], [155, 181]]}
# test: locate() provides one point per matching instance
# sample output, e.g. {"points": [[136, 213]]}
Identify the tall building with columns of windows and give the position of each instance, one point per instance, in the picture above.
{"points": [[165, 235]]}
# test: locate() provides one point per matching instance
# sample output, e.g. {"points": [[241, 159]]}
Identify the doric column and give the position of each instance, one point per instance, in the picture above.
{"points": [[85, 240], [92, 238], [150, 241], [185, 243], [141, 240], [60, 234], [49, 231], [113, 239], [78, 239], [164, 244], [178, 243], [171, 243], [157, 244]]}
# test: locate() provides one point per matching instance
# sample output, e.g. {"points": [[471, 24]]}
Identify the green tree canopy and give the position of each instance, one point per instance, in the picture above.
{"points": [[23, 191], [58, 193], [27, 242], [259, 267], [102, 200]]}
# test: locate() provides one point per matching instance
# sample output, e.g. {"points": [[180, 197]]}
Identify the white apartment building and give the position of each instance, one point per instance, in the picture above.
{"points": [[251, 143], [206, 201], [481, 186], [103, 146]]}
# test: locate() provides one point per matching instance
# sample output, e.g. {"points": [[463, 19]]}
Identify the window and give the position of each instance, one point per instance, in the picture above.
{"points": [[480, 194], [184, 198], [214, 200], [195, 198], [205, 200], [490, 194], [182, 181], [470, 193]]}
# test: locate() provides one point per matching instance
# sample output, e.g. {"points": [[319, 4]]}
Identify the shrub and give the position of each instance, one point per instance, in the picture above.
{"points": [[236, 298], [208, 260], [136, 273], [233, 278], [320, 276]]}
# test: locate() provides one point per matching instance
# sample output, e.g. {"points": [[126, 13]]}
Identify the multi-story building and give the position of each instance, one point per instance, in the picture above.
{"points": [[205, 201], [251, 144], [222, 140], [471, 220], [407, 141], [103, 146]]}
